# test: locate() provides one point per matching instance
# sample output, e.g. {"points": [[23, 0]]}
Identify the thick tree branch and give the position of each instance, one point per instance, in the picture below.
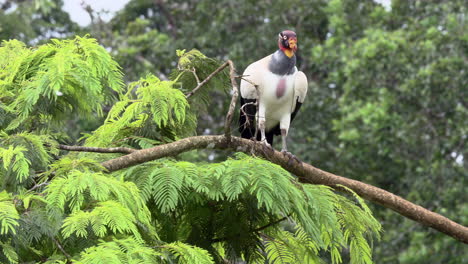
{"points": [[306, 173]]}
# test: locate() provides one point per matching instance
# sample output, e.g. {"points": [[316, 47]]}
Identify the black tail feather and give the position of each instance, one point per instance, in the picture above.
{"points": [[269, 137]]}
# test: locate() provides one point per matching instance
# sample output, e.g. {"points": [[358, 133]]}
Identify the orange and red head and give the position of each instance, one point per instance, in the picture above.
{"points": [[287, 42]]}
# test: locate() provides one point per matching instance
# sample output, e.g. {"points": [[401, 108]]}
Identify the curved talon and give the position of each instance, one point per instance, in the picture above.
{"points": [[264, 142], [266, 146]]}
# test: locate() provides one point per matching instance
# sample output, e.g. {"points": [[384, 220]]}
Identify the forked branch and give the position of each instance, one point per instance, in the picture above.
{"points": [[207, 79]]}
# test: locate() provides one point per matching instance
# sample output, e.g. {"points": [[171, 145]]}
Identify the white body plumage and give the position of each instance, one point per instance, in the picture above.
{"points": [[272, 108], [272, 92]]}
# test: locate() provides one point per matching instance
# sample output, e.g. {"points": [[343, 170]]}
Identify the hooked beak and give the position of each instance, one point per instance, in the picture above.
{"points": [[293, 44]]}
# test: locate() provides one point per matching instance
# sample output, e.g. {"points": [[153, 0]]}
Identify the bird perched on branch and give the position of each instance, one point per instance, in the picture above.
{"points": [[272, 91]]}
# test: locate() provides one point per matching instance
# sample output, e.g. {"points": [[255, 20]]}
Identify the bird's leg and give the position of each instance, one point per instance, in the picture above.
{"points": [[266, 146], [284, 134], [262, 132], [284, 148], [261, 124]]}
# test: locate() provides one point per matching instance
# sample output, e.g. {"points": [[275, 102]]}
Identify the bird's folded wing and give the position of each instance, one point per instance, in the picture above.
{"points": [[300, 86], [251, 83], [300, 92]]}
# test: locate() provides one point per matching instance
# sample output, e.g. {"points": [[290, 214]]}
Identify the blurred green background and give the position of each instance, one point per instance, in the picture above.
{"points": [[388, 93]]}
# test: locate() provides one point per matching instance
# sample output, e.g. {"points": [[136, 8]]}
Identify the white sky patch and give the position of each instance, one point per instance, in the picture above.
{"points": [[108, 8], [387, 4], [458, 158], [79, 15]]}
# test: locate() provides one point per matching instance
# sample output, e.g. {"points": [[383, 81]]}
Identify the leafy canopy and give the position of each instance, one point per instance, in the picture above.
{"points": [[58, 207], [48, 83]]}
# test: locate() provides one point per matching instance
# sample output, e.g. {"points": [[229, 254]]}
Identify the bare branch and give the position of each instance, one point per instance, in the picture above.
{"points": [[232, 105], [194, 72], [220, 68], [86, 7], [59, 246], [95, 149], [39, 185], [271, 224], [247, 122], [247, 80]]}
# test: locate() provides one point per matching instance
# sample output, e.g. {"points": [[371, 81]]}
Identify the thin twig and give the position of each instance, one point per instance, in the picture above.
{"points": [[253, 230], [220, 68], [86, 7], [247, 121], [194, 72], [61, 249], [232, 106], [99, 150], [39, 186], [271, 224], [247, 80]]}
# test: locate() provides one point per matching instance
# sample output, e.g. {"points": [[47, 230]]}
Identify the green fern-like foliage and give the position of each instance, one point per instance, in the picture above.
{"points": [[229, 201], [151, 109], [57, 208], [193, 63], [130, 250], [356, 233], [48, 83], [8, 214], [187, 254], [9, 252], [15, 161], [287, 247], [22, 155], [78, 188], [106, 215], [120, 251], [40, 147]]}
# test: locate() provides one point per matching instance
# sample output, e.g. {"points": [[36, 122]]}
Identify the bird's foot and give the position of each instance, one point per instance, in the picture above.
{"points": [[291, 157], [266, 146]]}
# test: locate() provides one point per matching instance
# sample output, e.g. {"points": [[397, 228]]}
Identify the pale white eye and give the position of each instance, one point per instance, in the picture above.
{"points": [[285, 38]]}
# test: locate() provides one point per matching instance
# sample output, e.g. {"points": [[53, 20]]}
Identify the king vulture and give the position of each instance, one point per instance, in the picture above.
{"points": [[272, 91]]}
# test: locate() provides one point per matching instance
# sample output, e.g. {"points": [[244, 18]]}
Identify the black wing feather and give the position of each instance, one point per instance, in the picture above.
{"points": [[296, 110]]}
